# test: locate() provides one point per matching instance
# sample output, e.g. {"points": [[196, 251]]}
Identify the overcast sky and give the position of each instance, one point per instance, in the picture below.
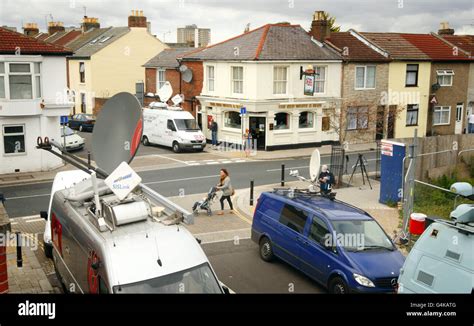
{"points": [[227, 18]]}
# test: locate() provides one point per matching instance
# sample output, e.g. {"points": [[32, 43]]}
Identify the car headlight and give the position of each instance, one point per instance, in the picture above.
{"points": [[364, 281]]}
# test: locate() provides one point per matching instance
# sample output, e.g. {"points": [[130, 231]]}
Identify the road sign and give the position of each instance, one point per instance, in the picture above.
{"points": [[64, 119], [243, 110]]}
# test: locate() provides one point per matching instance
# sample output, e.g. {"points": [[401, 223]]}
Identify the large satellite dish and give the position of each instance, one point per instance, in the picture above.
{"points": [[314, 165], [117, 131], [186, 73], [165, 92]]}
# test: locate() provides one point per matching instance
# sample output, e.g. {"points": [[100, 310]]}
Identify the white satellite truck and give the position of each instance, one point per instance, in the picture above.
{"points": [[442, 259], [109, 233], [171, 126]]}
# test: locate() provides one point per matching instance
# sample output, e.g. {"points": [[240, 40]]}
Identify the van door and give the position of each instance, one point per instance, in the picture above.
{"points": [[170, 132], [291, 225], [316, 253]]}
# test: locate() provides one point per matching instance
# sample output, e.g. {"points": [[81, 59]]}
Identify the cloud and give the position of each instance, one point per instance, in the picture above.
{"points": [[227, 18]]}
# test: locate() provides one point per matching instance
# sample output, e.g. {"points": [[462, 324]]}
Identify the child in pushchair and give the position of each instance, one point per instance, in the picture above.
{"points": [[205, 203]]}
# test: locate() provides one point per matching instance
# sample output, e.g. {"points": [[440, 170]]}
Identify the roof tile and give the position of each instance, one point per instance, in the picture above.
{"points": [[11, 41]]}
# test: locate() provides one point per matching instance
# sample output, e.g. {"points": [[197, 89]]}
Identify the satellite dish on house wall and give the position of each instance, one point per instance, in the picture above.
{"points": [[314, 165], [165, 92], [186, 73], [117, 132]]}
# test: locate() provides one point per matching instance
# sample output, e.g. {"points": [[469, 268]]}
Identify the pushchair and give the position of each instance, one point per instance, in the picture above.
{"points": [[205, 203]]}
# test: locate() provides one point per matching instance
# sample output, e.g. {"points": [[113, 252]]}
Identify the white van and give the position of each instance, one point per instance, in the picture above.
{"points": [[172, 127]]}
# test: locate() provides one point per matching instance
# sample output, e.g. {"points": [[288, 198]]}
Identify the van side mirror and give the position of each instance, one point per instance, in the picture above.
{"points": [[44, 215]]}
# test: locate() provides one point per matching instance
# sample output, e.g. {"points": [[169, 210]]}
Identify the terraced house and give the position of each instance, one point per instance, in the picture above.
{"points": [[260, 71]]}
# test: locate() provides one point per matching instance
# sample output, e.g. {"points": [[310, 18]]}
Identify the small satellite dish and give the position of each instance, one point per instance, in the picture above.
{"points": [[177, 99], [117, 131], [186, 73], [165, 92], [314, 165]]}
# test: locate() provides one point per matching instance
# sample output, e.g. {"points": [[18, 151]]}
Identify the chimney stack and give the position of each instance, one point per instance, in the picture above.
{"points": [[30, 29], [320, 29], [89, 23], [444, 29], [54, 27], [136, 19]]}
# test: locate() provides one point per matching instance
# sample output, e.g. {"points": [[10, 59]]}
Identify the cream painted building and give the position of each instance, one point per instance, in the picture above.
{"points": [[111, 63], [263, 76]]}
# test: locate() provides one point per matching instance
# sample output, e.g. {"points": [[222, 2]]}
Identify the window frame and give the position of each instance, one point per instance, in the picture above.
{"points": [[313, 124], [4, 76], [234, 81], [285, 81], [159, 81], [14, 134], [229, 126], [412, 109], [443, 109], [313, 219], [364, 86], [318, 79], [358, 116], [417, 72], [288, 122], [294, 209], [82, 74], [443, 73], [211, 79]]}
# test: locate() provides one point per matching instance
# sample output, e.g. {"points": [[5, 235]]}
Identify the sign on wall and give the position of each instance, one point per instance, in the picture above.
{"points": [[309, 85]]}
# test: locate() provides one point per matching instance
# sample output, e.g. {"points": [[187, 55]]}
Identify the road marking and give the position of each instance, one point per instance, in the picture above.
{"points": [[226, 162], [239, 161], [243, 218], [34, 220], [192, 164], [30, 217], [212, 163], [182, 179], [13, 223], [170, 158], [294, 167]]}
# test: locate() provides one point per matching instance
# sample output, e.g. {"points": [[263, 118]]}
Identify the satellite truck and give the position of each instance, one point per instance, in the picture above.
{"points": [[442, 259], [107, 232]]}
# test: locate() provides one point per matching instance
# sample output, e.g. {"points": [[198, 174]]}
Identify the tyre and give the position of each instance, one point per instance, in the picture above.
{"points": [[266, 249], [48, 249], [338, 286], [176, 147], [145, 141], [81, 128]]}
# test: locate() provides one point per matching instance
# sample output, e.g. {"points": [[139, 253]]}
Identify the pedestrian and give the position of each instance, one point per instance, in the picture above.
{"points": [[326, 179], [214, 128], [225, 186], [470, 127], [247, 142]]}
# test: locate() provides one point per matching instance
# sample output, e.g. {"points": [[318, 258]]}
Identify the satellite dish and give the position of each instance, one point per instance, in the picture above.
{"points": [[186, 73], [177, 99], [117, 131], [314, 165], [165, 92]]}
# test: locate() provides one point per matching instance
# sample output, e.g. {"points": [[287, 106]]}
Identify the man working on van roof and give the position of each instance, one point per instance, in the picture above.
{"points": [[326, 179]]}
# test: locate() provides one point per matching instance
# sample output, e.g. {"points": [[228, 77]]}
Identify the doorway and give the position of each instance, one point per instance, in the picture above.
{"points": [[459, 114], [257, 126]]}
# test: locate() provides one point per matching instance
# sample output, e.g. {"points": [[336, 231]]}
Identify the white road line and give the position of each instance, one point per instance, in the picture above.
{"points": [[30, 196], [34, 220], [29, 217], [226, 162], [212, 163], [240, 161], [183, 179], [172, 159], [294, 167]]}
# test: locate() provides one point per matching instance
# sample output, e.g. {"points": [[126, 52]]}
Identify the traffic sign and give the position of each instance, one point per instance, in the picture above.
{"points": [[64, 119], [243, 110]]}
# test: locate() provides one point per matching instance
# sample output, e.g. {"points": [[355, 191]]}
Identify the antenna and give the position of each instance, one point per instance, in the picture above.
{"points": [[85, 11]]}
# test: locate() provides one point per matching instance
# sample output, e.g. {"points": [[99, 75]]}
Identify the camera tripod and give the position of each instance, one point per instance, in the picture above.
{"points": [[360, 163]]}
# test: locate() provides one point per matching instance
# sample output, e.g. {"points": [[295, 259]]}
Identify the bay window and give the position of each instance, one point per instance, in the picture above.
{"points": [[20, 80]]}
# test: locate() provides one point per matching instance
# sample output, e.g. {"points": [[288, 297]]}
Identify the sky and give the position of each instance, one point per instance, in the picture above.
{"points": [[227, 18]]}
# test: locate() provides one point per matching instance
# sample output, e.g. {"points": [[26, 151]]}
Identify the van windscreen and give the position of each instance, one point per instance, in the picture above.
{"points": [[186, 124], [198, 279]]}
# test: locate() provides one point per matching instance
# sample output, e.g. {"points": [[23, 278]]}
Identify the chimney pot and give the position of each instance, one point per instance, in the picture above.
{"points": [[444, 29], [320, 29]]}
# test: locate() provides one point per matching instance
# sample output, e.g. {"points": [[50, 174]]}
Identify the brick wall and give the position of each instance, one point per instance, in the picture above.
{"points": [[449, 96], [362, 98], [98, 104]]}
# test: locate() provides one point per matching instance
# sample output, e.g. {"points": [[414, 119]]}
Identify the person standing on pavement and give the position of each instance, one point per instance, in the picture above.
{"points": [[227, 190], [470, 127], [326, 179], [214, 128]]}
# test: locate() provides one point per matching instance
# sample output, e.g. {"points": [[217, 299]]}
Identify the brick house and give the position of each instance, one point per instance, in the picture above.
{"points": [[364, 78], [166, 67]]}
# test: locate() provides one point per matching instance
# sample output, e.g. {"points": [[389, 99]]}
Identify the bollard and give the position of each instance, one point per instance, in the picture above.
{"points": [[251, 192], [89, 158], [283, 175], [19, 257]]}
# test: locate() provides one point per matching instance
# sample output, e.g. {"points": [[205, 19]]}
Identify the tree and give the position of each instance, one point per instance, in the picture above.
{"points": [[331, 22]]}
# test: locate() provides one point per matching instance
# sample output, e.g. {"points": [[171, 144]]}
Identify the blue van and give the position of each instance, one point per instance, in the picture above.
{"points": [[338, 245]]}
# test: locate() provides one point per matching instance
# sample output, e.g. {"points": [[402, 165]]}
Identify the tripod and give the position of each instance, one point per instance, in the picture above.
{"points": [[363, 170]]}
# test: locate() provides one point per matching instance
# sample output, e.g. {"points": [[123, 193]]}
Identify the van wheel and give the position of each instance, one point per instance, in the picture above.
{"points": [[266, 250], [145, 141], [176, 148], [48, 249], [338, 286]]}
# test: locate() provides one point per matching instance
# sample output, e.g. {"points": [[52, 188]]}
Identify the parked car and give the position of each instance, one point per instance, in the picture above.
{"points": [[71, 140], [82, 122], [338, 245]]}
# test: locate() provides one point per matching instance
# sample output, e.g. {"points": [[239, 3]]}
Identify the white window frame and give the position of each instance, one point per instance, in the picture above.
{"points": [[211, 79], [313, 123], [318, 79], [282, 81], [233, 80], [31, 73], [4, 75], [289, 126], [443, 73], [227, 125], [442, 109], [14, 134], [415, 107], [158, 80], [364, 87]]}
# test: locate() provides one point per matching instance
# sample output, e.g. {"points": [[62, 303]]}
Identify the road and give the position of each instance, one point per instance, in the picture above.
{"points": [[26, 200]]}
